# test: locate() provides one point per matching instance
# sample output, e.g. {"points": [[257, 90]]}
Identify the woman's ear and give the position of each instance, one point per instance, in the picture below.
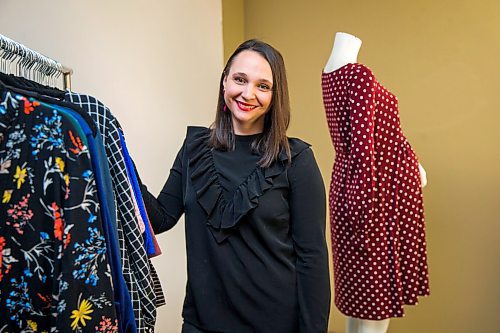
{"points": [[224, 82]]}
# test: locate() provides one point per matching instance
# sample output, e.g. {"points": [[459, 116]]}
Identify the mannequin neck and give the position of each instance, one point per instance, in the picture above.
{"points": [[345, 51]]}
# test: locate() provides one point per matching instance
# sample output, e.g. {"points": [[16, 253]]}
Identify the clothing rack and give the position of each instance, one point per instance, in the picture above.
{"points": [[19, 60]]}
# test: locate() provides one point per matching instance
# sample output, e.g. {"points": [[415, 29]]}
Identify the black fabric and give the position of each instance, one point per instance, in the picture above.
{"points": [[242, 161], [189, 328], [137, 270], [52, 247], [135, 263], [44, 94], [23, 83], [257, 256]]}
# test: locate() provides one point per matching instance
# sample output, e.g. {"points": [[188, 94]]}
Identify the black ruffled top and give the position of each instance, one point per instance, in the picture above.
{"points": [[256, 250]]}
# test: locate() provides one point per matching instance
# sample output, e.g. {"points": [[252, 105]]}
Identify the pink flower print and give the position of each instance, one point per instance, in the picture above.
{"points": [[106, 326], [20, 214]]}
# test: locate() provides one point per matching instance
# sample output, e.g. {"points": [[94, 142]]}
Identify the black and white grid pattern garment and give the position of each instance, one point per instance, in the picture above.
{"points": [[137, 268]]}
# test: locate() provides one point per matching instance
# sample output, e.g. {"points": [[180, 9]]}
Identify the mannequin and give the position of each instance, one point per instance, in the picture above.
{"points": [[355, 325], [345, 51]]}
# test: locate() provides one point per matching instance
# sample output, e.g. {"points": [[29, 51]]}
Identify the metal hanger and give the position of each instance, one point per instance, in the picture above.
{"points": [[17, 59]]}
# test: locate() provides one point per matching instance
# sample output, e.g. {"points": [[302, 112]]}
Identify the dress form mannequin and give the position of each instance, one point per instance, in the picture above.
{"points": [[355, 325], [345, 51]]}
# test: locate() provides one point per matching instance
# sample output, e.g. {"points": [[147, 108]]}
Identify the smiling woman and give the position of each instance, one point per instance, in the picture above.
{"points": [[253, 98], [254, 202], [248, 92]]}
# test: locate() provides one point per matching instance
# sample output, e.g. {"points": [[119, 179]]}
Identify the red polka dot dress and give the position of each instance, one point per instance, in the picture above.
{"points": [[376, 208]]}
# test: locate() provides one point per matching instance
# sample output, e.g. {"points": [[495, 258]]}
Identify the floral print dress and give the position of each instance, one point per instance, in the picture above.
{"points": [[54, 273]]}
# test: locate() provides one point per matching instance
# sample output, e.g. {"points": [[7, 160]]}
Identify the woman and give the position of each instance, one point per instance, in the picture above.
{"points": [[255, 209]]}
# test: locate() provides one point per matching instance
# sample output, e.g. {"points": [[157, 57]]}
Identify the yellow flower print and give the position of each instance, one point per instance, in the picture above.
{"points": [[66, 179], [60, 163], [6, 196], [33, 325], [82, 314], [20, 176]]}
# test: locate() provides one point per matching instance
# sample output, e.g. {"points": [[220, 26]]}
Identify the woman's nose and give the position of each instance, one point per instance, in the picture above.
{"points": [[248, 93]]}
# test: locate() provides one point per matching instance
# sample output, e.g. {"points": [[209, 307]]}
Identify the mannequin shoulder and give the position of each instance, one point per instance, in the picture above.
{"points": [[353, 72], [358, 68], [360, 75]]}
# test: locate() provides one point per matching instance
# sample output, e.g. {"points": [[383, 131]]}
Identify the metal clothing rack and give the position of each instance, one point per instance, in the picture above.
{"points": [[19, 60]]}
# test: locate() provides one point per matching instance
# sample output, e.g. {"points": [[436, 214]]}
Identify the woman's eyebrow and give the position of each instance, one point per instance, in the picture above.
{"points": [[245, 75]]}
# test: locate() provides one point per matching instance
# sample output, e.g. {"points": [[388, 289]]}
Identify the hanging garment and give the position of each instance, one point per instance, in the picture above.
{"points": [[160, 297], [101, 116], [54, 272], [148, 239], [123, 303], [104, 188], [90, 104], [376, 207], [135, 263]]}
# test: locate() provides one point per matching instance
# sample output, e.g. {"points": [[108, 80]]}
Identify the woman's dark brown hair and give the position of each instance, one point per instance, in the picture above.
{"points": [[273, 140]]}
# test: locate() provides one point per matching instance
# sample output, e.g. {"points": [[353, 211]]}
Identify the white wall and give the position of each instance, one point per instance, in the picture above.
{"points": [[156, 64]]}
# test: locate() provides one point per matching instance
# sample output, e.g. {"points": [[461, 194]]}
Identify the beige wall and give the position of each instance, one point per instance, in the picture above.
{"points": [[233, 25], [440, 59], [156, 64]]}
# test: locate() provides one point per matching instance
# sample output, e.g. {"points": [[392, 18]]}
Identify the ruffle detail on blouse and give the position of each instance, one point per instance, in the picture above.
{"points": [[223, 216]]}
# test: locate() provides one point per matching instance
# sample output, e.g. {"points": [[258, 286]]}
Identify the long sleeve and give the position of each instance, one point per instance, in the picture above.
{"points": [[165, 211], [308, 219], [360, 191]]}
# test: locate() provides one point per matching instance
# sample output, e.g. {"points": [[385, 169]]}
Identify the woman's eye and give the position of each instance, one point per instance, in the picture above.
{"points": [[239, 79], [264, 87]]}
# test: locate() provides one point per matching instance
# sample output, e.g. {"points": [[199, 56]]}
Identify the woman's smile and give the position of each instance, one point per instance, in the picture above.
{"points": [[248, 92], [245, 106]]}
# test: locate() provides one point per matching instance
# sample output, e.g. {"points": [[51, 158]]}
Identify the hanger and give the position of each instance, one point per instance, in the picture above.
{"points": [[17, 59], [4, 85]]}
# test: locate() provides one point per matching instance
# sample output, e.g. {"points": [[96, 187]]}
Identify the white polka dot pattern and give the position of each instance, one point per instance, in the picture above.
{"points": [[376, 207]]}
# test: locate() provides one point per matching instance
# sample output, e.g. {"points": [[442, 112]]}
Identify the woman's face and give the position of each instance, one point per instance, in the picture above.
{"points": [[248, 92]]}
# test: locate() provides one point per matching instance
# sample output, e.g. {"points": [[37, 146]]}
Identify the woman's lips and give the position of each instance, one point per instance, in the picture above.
{"points": [[245, 107]]}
